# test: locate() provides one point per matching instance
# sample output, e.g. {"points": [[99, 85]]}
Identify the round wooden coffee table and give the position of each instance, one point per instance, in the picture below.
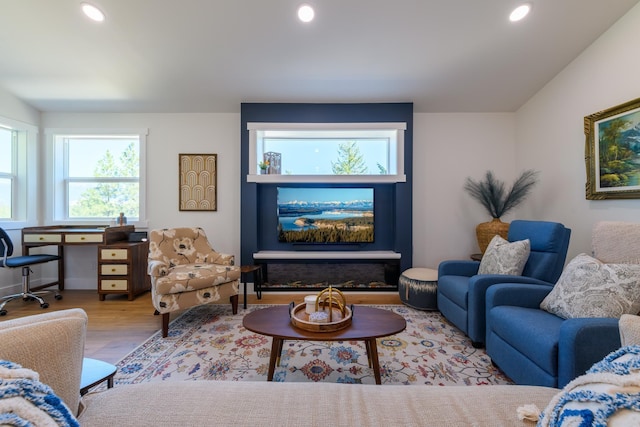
{"points": [[368, 323]]}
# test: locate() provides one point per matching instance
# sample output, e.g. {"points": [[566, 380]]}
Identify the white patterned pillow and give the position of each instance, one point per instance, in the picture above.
{"points": [[607, 395], [590, 288], [504, 257]]}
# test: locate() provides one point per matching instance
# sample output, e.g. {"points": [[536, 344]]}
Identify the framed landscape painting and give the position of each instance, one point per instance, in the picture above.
{"points": [[612, 152], [198, 186]]}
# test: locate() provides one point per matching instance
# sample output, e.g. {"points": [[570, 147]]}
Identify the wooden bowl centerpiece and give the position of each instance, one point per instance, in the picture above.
{"points": [[331, 313]]}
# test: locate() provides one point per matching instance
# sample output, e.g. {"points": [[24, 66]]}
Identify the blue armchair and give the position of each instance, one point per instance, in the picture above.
{"points": [[535, 347], [461, 291]]}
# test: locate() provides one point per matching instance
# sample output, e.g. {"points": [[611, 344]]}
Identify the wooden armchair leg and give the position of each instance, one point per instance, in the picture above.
{"points": [[165, 324], [234, 303]]}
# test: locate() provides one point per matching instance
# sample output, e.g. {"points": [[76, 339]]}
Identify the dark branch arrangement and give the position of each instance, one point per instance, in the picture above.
{"points": [[492, 195]]}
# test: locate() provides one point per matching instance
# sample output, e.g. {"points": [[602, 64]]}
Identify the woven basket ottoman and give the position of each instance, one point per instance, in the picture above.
{"points": [[418, 288]]}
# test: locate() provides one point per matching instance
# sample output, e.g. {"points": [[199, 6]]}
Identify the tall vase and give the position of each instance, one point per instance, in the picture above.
{"points": [[487, 230]]}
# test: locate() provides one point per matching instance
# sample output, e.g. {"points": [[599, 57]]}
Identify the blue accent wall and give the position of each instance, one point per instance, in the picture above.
{"points": [[393, 201]]}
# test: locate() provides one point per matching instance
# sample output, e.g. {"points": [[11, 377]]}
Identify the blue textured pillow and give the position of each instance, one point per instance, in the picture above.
{"points": [[607, 395], [25, 401]]}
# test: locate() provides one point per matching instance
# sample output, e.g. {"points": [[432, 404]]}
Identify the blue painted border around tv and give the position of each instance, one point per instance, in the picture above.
{"points": [[393, 210]]}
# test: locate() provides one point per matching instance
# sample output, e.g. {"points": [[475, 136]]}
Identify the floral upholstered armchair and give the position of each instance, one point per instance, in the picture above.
{"points": [[186, 271]]}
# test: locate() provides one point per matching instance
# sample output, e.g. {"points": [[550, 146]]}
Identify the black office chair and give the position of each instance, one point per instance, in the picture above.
{"points": [[24, 261]]}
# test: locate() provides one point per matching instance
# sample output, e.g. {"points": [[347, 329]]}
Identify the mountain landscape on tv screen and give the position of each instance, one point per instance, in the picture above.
{"points": [[334, 217]]}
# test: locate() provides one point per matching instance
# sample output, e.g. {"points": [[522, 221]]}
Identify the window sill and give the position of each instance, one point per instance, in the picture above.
{"points": [[347, 179]]}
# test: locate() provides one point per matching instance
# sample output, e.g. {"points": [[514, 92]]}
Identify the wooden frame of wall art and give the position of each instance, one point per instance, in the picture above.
{"points": [[612, 152], [198, 182]]}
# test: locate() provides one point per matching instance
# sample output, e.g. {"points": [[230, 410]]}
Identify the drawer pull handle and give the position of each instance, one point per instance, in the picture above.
{"points": [[113, 269], [113, 285], [113, 254], [41, 238]]}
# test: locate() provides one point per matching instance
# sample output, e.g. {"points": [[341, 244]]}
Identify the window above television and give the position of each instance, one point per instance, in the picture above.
{"points": [[326, 152]]}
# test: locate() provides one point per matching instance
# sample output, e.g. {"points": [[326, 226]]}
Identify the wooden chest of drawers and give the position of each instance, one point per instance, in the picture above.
{"points": [[122, 269]]}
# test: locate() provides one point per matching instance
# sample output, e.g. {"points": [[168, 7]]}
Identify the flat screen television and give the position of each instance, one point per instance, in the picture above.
{"points": [[325, 215]]}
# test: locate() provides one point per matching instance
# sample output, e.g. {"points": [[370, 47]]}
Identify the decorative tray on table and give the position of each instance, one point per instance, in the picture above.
{"points": [[329, 314]]}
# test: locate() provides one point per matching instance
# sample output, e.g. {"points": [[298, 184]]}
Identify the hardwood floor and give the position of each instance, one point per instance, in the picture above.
{"points": [[117, 325]]}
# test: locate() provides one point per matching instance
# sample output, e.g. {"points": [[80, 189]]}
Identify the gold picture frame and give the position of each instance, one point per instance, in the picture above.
{"points": [[612, 152], [198, 182]]}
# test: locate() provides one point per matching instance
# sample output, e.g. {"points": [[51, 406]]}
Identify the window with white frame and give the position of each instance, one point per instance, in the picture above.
{"points": [[7, 172], [98, 175], [17, 172], [326, 150]]}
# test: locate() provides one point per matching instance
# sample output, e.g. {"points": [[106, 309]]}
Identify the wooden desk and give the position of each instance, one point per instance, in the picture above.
{"points": [[122, 269], [61, 236]]}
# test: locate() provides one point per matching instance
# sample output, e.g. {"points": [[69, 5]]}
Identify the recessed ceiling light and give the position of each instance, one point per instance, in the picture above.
{"points": [[306, 13], [520, 12], [92, 12]]}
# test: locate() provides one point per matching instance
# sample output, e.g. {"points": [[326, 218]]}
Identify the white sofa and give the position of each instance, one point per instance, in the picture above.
{"points": [[52, 344]]}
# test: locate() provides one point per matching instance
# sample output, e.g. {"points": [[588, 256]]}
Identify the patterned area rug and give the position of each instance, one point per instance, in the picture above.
{"points": [[209, 343]]}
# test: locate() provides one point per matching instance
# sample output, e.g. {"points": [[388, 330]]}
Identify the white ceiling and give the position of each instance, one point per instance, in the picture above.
{"points": [[212, 55]]}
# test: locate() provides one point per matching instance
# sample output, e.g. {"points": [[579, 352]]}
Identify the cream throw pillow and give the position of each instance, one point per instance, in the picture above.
{"points": [[629, 325], [590, 288], [504, 257]]}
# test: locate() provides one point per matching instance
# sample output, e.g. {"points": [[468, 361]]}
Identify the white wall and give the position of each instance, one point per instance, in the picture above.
{"points": [[550, 135], [546, 134], [15, 109], [448, 148], [169, 135]]}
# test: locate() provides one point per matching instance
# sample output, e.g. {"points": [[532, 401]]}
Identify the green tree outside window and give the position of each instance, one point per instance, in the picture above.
{"points": [[350, 160], [106, 199]]}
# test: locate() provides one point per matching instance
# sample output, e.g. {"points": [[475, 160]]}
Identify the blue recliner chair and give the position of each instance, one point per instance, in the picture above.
{"points": [[461, 291], [534, 347]]}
